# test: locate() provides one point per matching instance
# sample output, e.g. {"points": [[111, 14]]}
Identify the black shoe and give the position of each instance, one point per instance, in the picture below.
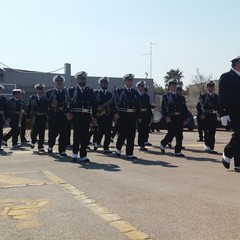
{"points": [[95, 148], [162, 149], [118, 153], [237, 169], [25, 141], [74, 159], [41, 150], [211, 151], [131, 157], [142, 149], [84, 159], [50, 151], [16, 145], [147, 144], [169, 145], [225, 164], [4, 143], [63, 154], [32, 145], [183, 147], [200, 140], [107, 151], [179, 155]]}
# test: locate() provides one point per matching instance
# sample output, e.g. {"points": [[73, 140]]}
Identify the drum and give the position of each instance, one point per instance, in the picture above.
{"points": [[156, 116]]}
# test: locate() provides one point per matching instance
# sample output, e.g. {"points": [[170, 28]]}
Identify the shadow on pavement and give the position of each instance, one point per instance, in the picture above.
{"points": [[88, 166], [4, 153], [152, 163], [100, 166], [202, 159]]}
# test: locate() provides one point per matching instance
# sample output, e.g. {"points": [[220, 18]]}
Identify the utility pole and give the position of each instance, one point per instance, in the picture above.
{"points": [[150, 55]]}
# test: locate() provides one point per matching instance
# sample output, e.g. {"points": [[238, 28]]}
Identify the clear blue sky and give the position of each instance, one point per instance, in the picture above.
{"points": [[107, 37]]}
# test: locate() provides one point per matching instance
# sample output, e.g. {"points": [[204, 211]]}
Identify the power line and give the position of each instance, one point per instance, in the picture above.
{"points": [[24, 71]]}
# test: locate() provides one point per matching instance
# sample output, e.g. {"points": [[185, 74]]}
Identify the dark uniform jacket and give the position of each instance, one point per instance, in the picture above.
{"points": [[81, 101], [208, 104], [36, 105], [229, 86], [3, 107], [101, 97], [146, 107], [60, 96], [127, 103], [14, 106], [174, 106]]}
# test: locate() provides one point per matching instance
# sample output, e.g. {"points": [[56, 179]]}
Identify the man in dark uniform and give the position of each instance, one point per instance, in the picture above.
{"points": [[14, 106], [175, 112], [24, 117], [229, 86], [4, 115], [200, 126], [37, 112], [57, 103], [208, 110], [81, 100], [146, 115], [104, 113], [127, 113]]}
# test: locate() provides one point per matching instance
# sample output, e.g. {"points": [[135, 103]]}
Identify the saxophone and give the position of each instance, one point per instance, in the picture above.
{"points": [[104, 109]]}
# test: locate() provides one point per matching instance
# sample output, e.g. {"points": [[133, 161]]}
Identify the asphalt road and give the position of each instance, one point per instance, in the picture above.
{"points": [[158, 196]]}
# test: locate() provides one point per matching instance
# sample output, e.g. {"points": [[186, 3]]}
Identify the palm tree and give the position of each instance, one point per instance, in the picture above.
{"points": [[174, 74]]}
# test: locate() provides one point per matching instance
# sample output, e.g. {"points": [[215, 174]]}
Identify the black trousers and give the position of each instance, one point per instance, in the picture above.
{"points": [[210, 125], [1, 128], [143, 130], [58, 125], [23, 128], [104, 129], [201, 130], [232, 148], [38, 129], [14, 131], [126, 131], [81, 124], [175, 129]]}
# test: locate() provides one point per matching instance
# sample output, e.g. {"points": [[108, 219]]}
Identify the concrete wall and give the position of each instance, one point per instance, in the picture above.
{"points": [[27, 79]]}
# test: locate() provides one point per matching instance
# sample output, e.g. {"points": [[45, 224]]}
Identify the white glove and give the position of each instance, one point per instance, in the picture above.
{"points": [[225, 120]]}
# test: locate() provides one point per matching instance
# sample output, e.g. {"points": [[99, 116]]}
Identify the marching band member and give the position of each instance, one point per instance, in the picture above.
{"points": [[104, 113], [3, 113], [14, 106], [175, 112], [127, 113], [37, 110], [58, 124], [208, 110], [146, 115], [81, 100], [229, 86]]}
